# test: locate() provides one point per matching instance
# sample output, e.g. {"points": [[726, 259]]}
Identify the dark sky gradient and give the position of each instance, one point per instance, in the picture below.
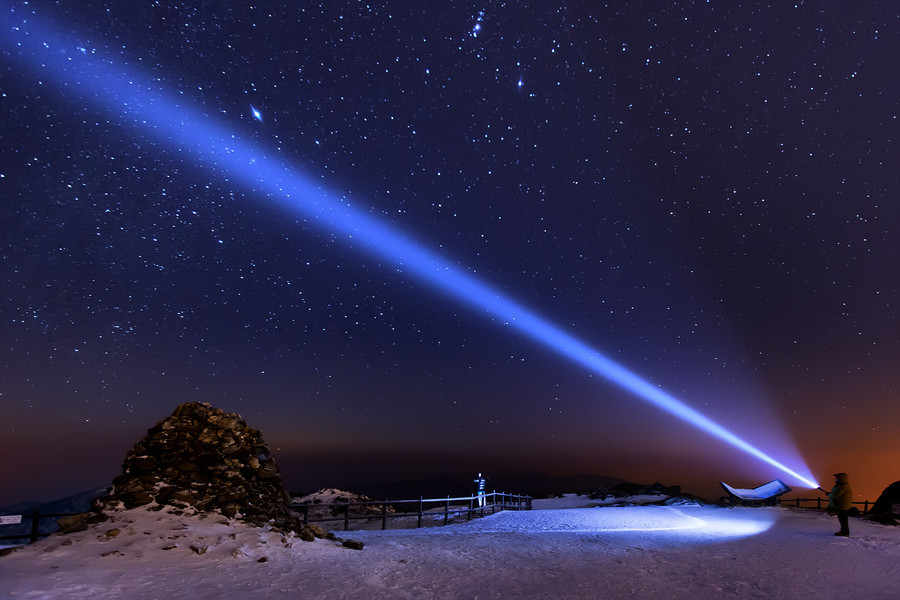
{"points": [[707, 192]]}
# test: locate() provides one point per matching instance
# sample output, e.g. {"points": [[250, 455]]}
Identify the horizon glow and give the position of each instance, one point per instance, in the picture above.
{"points": [[82, 72]]}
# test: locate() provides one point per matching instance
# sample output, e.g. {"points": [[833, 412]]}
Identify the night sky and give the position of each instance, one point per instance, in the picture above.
{"points": [[707, 193]]}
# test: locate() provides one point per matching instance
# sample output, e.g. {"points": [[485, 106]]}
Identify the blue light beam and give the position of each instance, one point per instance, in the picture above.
{"points": [[138, 99]]}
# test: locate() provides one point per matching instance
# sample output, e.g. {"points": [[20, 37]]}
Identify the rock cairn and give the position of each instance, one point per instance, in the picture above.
{"points": [[211, 460]]}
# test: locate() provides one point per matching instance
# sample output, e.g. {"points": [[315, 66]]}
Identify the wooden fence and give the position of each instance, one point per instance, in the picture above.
{"points": [[347, 511], [821, 503], [35, 531], [433, 509]]}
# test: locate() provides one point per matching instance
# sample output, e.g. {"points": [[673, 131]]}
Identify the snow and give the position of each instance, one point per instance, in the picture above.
{"points": [[329, 496], [558, 550]]}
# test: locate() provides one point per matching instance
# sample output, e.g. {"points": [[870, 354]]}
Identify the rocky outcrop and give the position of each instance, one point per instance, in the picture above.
{"points": [[883, 510], [623, 491], [211, 460], [332, 502]]}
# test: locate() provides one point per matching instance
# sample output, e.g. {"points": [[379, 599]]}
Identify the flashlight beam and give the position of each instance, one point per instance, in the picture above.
{"points": [[136, 99]]}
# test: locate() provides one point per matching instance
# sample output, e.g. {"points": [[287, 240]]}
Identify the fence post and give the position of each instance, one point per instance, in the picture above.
{"points": [[499, 501], [419, 524], [866, 506], [818, 503], [35, 519]]}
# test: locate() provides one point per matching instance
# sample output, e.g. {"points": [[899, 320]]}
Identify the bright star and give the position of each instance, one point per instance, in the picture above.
{"points": [[256, 114]]}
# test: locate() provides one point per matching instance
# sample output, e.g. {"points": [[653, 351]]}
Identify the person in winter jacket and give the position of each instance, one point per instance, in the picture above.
{"points": [[840, 499]]}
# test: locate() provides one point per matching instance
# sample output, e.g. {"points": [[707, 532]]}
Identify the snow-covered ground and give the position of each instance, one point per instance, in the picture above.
{"points": [[556, 551]]}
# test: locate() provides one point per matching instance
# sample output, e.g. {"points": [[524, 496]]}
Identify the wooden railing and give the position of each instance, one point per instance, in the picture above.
{"points": [[821, 503], [34, 534], [440, 509], [349, 511]]}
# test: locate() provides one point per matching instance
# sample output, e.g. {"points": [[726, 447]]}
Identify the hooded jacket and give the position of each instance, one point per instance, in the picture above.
{"points": [[841, 496]]}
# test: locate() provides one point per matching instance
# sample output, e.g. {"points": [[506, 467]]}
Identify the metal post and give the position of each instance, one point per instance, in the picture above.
{"points": [[419, 524], [447, 510], [347, 517], [384, 515], [35, 519]]}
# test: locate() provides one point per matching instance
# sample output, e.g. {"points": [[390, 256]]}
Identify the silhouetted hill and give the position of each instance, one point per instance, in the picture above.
{"points": [[76, 503], [537, 485], [541, 485], [433, 487], [26, 506]]}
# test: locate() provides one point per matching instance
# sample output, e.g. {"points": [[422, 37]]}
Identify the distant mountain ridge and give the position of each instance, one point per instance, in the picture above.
{"points": [[541, 485], [75, 503], [535, 484]]}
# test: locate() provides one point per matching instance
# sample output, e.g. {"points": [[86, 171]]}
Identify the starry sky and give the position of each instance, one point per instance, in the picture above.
{"points": [[705, 192]]}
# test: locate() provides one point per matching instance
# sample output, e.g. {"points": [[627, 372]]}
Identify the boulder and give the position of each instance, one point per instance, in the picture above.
{"points": [[883, 511]]}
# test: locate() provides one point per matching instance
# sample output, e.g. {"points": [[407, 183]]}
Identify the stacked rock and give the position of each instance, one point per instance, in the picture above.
{"points": [[210, 459]]}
